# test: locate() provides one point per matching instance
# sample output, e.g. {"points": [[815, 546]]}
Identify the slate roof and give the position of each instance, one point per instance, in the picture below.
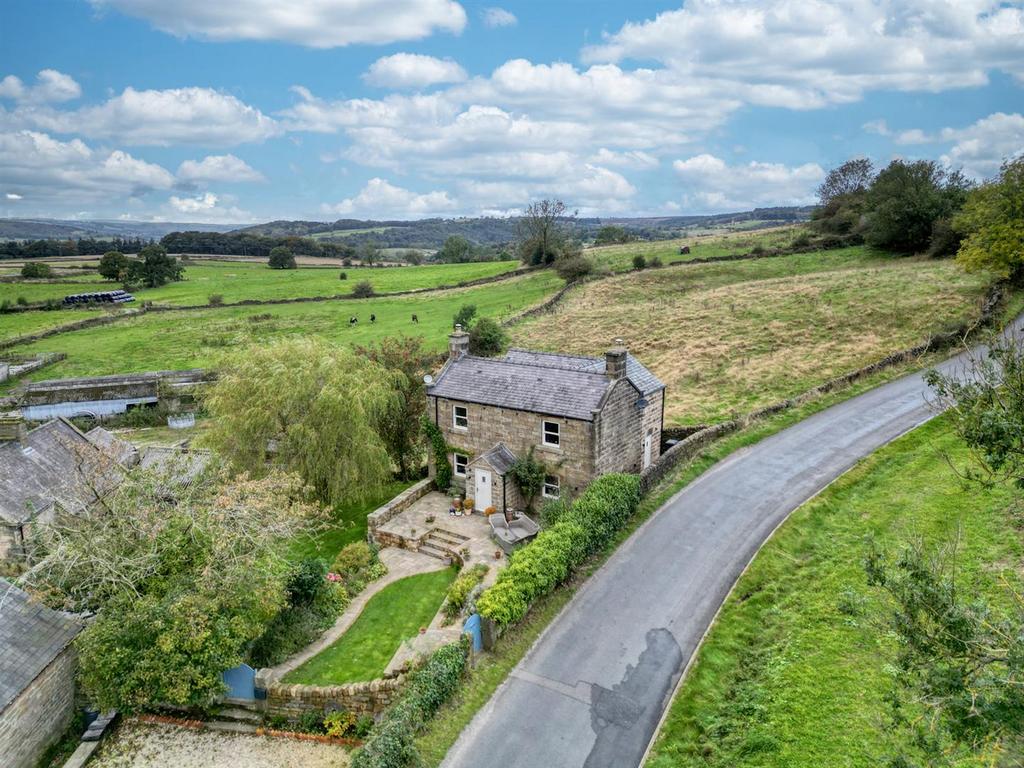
{"points": [[499, 457], [636, 372], [31, 636], [53, 461], [181, 465]]}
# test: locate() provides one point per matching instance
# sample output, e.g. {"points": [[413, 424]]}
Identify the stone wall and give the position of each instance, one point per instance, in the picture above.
{"points": [[39, 715], [399, 504], [618, 431], [370, 698]]}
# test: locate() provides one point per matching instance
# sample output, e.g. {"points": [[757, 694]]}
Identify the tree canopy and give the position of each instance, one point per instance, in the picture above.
{"points": [[309, 407], [113, 265], [154, 267], [281, 258], [543, 232], [992, 222]]}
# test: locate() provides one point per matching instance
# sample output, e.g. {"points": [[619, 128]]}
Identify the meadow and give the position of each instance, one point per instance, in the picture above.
{"points": [[730, 337], [795, 671], [241, 280], [195, 338]]}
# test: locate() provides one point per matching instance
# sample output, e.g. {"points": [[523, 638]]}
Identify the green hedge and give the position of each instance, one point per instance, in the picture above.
{"points": [[391, 742], [536, 569]]}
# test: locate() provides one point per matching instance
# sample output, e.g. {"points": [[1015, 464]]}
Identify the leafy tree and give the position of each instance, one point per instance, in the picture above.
{"points": [[853, 177], [154, 268], [456, 250], [992, 221], [528, 475], [464, 316], [113, 265], [487, 338], [575, 267], [542, 232], [412, 256], [986, 405], [400, 432], [36, 269], [369, 252], [363, 289], [959, 664], [905, 201], [309, 407], [281, 258], [611, 234], [183, 577]]}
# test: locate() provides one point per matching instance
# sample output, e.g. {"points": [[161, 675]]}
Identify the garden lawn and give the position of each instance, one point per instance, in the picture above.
{"points": [[239, 281], [795, 671], [347, 524], [392, 616], [194, 338], [728, 338]]}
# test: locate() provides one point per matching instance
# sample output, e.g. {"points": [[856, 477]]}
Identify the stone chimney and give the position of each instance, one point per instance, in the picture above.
{"points": [[458, 344], [12, 428], [615, 361]]}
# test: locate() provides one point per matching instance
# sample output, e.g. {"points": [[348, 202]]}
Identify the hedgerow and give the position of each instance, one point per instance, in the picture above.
{"points": [[391, 742], [536, 569]]}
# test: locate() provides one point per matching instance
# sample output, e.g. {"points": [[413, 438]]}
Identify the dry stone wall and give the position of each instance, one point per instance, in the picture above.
{"points": [[369, 698]]}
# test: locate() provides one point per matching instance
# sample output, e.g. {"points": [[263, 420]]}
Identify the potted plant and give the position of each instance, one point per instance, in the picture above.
{"points": [[468, 505]]}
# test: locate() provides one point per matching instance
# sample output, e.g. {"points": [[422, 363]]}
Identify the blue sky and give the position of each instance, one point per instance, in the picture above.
{"points": [[194, 110]]}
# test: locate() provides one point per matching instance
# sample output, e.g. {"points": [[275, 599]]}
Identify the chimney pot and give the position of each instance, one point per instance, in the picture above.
{"points": [[12, 428], [458, 344], [615, 361]]}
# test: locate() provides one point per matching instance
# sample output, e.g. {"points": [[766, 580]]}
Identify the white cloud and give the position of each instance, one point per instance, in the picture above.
{"points": [[498, 17], [51, 86], [218, 168], [312, 23], [980, 148], [413, 70], [807, 54], [158, 117], [381, 200], [711, 185], [631, 159], [42, 167], [14, 196], [206, 207]]}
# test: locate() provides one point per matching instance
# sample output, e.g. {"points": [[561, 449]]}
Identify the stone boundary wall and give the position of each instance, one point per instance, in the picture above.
{"points": [[397, 505], [369, 698], [692, 445], [542, 308], [78, 325]]}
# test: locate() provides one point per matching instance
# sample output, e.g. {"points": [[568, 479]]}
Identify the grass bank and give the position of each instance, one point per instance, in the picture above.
{"points": [[795, 670], [392, 616]]}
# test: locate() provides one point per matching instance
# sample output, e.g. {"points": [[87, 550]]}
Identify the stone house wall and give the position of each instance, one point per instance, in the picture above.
{"points": [[370, 698], [572, 461], [651, 423], [618, 431], [40, 713]]}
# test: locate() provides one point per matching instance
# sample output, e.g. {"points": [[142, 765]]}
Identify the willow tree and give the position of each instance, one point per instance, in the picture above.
{"points": [[308, 407]]}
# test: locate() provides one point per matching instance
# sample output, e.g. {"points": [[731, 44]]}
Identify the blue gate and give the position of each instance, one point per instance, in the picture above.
{"points": [[241, 682], [472, 628]]}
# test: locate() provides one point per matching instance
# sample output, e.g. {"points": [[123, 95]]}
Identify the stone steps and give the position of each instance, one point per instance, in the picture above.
{"points": [[445, 539], [238, 715], [435, 551]]}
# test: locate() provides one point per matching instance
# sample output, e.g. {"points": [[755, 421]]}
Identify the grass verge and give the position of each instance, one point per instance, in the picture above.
{"points": [[392, 616]]}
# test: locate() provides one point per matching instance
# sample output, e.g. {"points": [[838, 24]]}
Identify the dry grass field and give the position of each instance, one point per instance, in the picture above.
{"points": [[729, 338]]}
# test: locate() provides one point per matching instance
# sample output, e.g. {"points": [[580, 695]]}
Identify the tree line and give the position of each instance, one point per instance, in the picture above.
{"points": [[83, 246]]}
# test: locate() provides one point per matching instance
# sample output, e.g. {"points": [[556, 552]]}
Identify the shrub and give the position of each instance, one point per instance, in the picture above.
{"points": [[339, 724], [295, 627], [363, 727], [802, 240], [343, 275], [536, 569], [391, 744], [6, 306], [551, 511], [215, 299], [639, 262], [310, 722], [36, 269], [362, 290], [443, 473], [306, 581], [528, 475], [22, 301], [572, 268], [464, 316], [458, 592], [487, 338], [655, 262], [281, 258], [353, 558]]}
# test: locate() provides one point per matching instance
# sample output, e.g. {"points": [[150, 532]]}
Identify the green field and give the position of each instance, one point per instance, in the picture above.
{"points": [[194, 338], [729, 337], [794, 672], [24, 323], [392, 616], [238, 281]]}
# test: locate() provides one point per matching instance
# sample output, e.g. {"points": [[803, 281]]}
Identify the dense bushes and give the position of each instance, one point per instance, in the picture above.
{"points": [[536, 569], [36, 269], [391, 743], [459, 591], [357, 565]]}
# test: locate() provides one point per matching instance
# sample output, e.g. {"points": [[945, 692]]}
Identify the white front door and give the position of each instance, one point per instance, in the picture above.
{"points": [[647, 452], [483, 488]]}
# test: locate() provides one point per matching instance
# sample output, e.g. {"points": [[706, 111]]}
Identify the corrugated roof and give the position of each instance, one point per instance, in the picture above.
{"points": [[640, 376], [572, 393], [31, 636]]}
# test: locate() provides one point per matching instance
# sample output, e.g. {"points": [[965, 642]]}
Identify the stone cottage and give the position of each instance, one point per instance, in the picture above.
{"points": [[37, 676], [582, 416], [55, 463]]}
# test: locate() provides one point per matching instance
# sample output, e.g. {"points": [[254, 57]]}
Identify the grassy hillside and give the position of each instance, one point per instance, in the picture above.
{"points": [[184, 339], [734, 336], [250, 280], [793, 674]]}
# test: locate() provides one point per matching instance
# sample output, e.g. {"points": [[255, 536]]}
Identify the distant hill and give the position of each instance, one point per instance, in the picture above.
{"points": [[431, 233], [38, 229]]}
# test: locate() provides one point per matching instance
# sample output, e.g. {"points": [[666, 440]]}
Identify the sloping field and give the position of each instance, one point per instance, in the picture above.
{"points": [[728, 338], [239, 281], [191, 338]]}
